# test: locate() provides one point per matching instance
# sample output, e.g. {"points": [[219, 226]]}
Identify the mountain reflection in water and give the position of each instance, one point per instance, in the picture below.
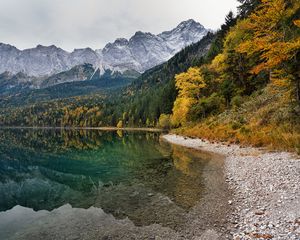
{"points": [[126, 174]]}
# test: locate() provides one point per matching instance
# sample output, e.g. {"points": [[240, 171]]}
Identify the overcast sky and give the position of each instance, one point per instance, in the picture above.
{"points": [[73, 24]]}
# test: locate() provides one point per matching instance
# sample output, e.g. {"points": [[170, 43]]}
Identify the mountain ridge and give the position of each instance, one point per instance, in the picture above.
{"points": [[140, 52]]}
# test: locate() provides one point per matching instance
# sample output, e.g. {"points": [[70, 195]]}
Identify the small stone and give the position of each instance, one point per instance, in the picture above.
{"points": [[262, 235], [259, 213], [263, 227], [270, 226]]}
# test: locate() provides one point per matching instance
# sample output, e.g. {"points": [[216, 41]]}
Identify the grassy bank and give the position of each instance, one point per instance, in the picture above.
{"points": [[266, 119]]}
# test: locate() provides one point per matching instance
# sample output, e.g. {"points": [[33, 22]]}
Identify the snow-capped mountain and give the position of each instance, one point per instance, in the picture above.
{"points": [[184, 34], [141, 52], [145, 50]]}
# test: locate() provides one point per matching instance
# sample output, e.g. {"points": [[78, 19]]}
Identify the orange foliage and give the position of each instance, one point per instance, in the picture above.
{"points": [[271, 37]]}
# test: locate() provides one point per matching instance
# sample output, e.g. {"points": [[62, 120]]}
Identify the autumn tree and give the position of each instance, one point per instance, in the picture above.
{"points": [[274, 35], [189, 85]]}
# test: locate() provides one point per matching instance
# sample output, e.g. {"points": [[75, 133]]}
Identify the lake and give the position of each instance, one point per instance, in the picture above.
{"points": [[91, 184]]}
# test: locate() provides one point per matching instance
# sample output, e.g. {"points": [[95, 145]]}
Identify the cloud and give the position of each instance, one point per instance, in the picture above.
{"points": [[80, 23]]}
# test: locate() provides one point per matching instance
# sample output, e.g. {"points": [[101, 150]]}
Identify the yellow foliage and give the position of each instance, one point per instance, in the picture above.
{"points": [[237, 35], [120, 133], [218, 63], [164, 121], [266, 122], [120, 124], [189, 83], [297, 23], [280, 78], [269, 34], [182, 161], [180, 111]]}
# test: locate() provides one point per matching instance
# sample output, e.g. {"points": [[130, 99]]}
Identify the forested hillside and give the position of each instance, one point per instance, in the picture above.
{"points": [[140, 104], [240, 84], [249, 92]]}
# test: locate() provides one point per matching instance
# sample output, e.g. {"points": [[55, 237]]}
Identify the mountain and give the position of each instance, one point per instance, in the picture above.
{"points": [[19, 89], [77, 73], [43, 61], [141, 52], [140, 97], [159, 81], [184, 34], [11, 83]]}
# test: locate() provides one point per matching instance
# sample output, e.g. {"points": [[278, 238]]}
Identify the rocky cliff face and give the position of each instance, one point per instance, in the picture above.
{"points": [[184, 34], [42, 60], [145, 50]]}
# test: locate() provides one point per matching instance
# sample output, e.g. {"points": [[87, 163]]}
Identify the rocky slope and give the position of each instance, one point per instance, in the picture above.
{"points": [[141, 52]]}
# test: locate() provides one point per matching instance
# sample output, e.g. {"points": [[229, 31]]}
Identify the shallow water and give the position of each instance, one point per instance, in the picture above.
{"points": [[56, 183]]}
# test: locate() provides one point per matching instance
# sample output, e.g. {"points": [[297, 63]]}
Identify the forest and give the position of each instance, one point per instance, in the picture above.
{"points": [[240, 84]]}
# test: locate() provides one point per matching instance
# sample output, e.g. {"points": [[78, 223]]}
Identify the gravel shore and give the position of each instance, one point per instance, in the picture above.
{"points": [[265, 185]]}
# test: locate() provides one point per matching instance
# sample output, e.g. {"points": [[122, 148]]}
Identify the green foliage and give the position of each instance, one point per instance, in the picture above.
{"points": [[106, 85], [217, 44], [154, 92], [247, 7], [207, 106], [237, 101]]}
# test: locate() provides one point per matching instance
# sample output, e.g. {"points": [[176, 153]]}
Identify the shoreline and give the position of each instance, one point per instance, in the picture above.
{"points": [[265, 186], [88, 128]]}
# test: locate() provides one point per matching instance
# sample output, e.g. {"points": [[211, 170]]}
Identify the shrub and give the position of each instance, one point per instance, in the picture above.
{"points": [[207, 106], [236, 101], [164, 121], [236, 125]]}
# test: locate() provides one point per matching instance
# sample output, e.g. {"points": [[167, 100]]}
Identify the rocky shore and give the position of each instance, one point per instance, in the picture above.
{"points": [[265, 186]]}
